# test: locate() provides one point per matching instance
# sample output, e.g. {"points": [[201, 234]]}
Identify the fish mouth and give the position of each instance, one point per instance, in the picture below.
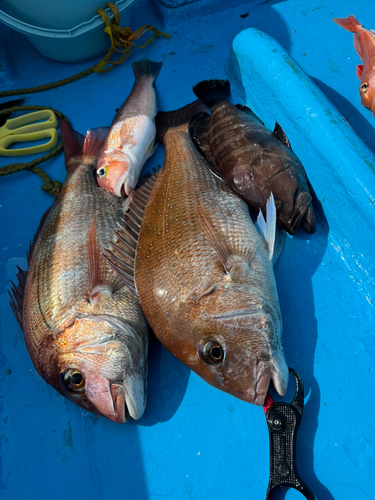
{"points": [[302, 203], [122, 187], [308, 221], [121, 412], [274, 370], [123, 405], [265, 373]]}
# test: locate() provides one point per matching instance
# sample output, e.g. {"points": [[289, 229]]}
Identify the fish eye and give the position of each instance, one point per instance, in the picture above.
{"points": [[364, 88], [74, 380], [101, 172], [213, 353], [278, 204]]}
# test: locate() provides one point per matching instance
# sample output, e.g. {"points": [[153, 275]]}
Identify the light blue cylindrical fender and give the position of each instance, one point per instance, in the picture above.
{"points": [[339, 165]]}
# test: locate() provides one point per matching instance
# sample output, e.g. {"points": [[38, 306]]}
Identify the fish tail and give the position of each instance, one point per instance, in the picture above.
{"points": [[76, 145], [72, 142], [349, 23], [179, 118], [212, 91], [146, 68], [94, 141]]}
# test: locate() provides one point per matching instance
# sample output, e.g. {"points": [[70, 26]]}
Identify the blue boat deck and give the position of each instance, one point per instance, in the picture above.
{"points": [[195, 442]]}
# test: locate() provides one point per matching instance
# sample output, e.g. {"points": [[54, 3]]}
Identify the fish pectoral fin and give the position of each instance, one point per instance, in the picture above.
{"points": [[359, 71], [214, 237], [150, 150], [118, 157], [249, 112], [96, 263], [279, 132], [267, 229], [126, 137]]}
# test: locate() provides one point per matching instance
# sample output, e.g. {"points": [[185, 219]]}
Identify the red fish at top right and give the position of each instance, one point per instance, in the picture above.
{"points": [[364, 43]]}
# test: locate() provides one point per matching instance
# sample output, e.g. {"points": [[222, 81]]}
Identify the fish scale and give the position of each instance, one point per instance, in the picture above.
{"points": [[176, 199], [364, 43], [253, 161], [59, 266], [84, 330], [188, 298], [130, 140]]}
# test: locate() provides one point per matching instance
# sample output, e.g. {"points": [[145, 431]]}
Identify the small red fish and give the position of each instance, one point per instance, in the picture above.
{"points": [[364, 43], [130, 141]]}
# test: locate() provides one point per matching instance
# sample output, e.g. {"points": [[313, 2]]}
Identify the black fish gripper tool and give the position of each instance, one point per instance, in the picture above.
{"points": [[283, 421]]}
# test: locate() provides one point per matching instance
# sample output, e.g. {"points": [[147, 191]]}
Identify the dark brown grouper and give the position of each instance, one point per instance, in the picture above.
{"points": [[84, 330], [254, 161], [203, 273]]}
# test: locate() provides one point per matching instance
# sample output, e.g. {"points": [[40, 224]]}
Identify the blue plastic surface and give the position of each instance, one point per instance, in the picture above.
{"points": [[195, 442]]}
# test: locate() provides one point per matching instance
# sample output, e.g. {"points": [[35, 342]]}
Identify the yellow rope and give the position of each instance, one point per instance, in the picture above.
{"points": [[122, 41]]}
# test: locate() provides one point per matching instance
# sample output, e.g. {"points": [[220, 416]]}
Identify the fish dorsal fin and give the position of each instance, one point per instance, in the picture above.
{"points": [[249, 112], [17, 293], [359, 71], [94, 141], [121, 257], [179, 118], [16, 296], [267, 228], [278, 131]]}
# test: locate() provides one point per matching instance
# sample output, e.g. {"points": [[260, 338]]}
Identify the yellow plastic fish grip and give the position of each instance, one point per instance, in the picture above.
{"points": [[29, 128]]}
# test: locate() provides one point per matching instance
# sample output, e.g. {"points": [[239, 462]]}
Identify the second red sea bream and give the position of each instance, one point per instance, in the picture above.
{"points": [[203, 273], [130, 141]]}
